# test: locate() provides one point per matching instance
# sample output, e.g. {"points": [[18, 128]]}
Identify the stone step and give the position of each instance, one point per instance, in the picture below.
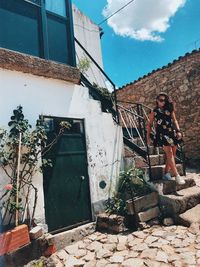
{"points": [[180, 201], [142, 203], [154, 150], [164, 187], [158, 171], [154, 159], [188, 217]]}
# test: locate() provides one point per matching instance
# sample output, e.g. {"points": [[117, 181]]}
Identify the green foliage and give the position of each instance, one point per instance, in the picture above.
{"points": [[84, 64], [131, 184], [116, 205], [104, 92], [34, 145]]}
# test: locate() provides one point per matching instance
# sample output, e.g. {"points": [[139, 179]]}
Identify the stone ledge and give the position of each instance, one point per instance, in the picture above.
{"points": [[16, 61]]}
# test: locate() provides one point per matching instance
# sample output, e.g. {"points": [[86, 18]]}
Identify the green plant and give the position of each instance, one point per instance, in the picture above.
{"points": [[116, 205], [131, 184], [84, 64], [34, 145], [104, 92]]}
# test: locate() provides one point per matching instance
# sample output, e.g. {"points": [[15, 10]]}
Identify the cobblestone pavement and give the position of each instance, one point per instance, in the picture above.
{"points": [[154, 247], [158, 246]]}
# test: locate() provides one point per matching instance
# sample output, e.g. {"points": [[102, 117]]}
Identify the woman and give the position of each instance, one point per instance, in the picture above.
{"points": [[166, 136]]}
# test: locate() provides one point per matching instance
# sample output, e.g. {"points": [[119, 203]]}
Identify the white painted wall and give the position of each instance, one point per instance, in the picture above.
{"points": [[88, 34], [39, 95]]}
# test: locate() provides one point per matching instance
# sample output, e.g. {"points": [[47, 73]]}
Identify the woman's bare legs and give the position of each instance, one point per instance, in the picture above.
{"points": [[170, 159], [167, 166]]}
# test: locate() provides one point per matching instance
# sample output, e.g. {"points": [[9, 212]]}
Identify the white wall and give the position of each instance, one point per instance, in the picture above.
{"points": [[88, 34], [39, 95]]}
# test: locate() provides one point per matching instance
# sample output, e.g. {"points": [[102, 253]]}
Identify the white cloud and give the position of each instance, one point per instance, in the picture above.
{"points": [[142, 19]]}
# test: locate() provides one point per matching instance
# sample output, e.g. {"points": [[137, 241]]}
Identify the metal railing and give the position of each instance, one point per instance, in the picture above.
{"points": [[142, 120], [134, 131], [104, 74]]}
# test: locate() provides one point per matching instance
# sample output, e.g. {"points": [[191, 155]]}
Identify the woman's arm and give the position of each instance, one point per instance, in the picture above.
{"points": [[149, 126], [175, 121], [178, 132]]}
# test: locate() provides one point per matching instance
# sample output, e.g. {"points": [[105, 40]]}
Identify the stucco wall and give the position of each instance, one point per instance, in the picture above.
{"points": [[39, 95], [88, 34], [181, 80]]}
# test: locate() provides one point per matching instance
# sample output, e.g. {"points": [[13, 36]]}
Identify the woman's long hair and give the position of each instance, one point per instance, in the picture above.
{"points": [[169, 105]]}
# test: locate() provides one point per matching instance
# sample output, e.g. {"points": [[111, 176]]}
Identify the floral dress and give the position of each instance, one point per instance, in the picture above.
{"points": [[165, 134]]}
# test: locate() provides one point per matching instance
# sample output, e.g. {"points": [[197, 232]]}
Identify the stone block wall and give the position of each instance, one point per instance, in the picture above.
{"points": [[181, 81]]}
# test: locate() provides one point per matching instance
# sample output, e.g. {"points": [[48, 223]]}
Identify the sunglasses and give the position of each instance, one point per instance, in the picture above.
{"points": [[161, 100]]}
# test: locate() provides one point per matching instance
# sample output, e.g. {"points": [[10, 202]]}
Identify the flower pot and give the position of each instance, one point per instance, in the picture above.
{"points": [[14, 239]]}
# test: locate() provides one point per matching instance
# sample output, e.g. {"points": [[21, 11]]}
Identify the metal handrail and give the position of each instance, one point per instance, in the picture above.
{"points": [[134, 103], [135, 120], [103, 72], [131, 112]]}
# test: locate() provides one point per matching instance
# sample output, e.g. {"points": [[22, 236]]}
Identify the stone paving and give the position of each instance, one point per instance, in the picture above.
{"points": [[157, 246]]}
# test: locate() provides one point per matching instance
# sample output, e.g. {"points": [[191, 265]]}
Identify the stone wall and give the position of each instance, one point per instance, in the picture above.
{"points": [[181, 80]]}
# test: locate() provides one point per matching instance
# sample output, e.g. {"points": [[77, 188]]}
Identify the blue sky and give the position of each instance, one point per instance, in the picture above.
{"points": [[126, 56]]}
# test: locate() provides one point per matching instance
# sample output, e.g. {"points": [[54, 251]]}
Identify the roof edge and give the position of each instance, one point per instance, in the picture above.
{"points": [[161, 68]]}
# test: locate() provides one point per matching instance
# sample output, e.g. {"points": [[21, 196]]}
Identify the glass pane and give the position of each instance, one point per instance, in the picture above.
{"points": [[58, 39], [19, 26], [56, 6]]}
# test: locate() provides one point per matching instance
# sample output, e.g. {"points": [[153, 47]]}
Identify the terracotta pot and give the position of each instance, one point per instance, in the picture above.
{"points": [[14, 239]]}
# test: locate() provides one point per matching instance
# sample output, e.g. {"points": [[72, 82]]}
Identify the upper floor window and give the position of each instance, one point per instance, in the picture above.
{"points": [[41, 28], [56, 6]]}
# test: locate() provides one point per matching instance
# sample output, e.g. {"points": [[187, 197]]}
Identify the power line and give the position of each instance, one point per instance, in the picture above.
{"points": [[115, 12]]}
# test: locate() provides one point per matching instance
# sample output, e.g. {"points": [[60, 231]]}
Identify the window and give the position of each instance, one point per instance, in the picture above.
{"points": [[57, 39], [41, 28], [56, 6], [19, 26]]}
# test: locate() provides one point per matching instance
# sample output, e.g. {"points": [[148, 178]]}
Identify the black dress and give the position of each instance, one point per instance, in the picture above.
{"points": [[165, 134]]}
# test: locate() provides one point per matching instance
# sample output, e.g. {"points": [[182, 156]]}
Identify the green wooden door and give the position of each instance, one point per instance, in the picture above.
{"points": [[66, 184]]}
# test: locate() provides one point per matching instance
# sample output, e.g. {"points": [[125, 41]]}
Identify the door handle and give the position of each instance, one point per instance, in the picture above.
{"points": [[82, 178]]}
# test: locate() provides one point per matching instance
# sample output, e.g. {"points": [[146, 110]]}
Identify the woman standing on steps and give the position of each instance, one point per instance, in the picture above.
{"points": [[168, 138]]}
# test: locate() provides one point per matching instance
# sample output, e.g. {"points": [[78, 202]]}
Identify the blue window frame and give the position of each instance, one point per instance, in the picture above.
{"points": [[42, 28]]}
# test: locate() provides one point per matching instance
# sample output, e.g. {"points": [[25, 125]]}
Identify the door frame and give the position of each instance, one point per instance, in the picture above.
{"points": [[86, 160]]}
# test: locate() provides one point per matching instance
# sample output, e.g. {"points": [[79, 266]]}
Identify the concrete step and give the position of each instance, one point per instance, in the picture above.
{"points": [[154, 159], [190, 216], [159, 170], [180, 201], [164, 187]]}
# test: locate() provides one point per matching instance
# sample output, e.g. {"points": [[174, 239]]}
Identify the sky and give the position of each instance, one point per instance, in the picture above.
{"points": [[145, 35]]}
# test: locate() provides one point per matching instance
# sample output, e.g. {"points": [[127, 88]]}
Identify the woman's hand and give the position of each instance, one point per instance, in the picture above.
{"points": [[178, 135]]}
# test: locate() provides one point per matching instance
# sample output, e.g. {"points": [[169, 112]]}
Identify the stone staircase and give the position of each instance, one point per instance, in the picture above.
{"points": [[181, 202]]}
